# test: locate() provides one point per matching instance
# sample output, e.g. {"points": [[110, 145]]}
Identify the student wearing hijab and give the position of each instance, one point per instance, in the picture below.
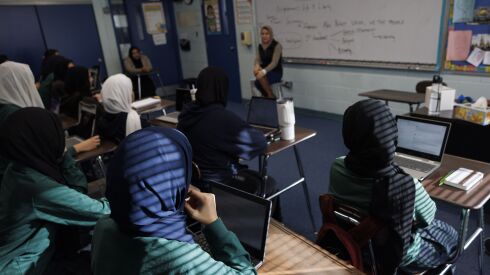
{"points": [[44, 63], [17, 90], [137, 63], [119, 119], [77, 87], [52, 82], [268, 62], [368, 178], [42, 190], [145, 233], [219, 138]]}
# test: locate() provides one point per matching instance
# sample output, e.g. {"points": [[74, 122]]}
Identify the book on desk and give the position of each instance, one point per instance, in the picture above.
{"points": [[463, 178]]}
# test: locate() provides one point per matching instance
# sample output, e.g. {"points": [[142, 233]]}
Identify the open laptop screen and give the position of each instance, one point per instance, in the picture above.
{"points": [[263, 112], [422, 137], [245, 215]]}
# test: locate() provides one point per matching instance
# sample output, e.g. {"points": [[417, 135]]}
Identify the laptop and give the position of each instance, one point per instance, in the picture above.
{"points": [[182, 97], [421, 145], [262, 115], [246, 215], [72, 141]]}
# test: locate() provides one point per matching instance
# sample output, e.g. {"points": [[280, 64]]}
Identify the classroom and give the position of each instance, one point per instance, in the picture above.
{"points": [[332, 63]]}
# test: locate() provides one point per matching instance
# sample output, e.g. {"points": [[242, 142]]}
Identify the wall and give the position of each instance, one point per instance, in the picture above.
{"points": [[333, 89], [196, 59]]}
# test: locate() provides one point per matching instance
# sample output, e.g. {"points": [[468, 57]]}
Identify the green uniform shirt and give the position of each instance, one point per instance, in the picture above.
{"points": [[357, 191], [113, 252], [31, 207]]}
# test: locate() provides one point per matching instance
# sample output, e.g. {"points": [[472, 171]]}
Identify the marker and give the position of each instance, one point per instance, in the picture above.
{"points": [[443, 179]]}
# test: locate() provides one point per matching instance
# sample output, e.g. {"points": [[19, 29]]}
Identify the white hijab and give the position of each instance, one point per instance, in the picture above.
{"points": [[117, 95], [17, 86]]}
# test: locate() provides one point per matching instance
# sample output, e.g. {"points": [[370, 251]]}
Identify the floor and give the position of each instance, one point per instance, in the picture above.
{"points": [[317, 155]]}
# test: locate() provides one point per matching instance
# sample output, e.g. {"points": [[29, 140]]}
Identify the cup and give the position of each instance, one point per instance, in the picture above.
{"points": [[286, 118]]}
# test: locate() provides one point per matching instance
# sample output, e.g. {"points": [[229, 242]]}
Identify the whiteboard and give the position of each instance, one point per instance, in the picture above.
{"points": [[398, 33]]}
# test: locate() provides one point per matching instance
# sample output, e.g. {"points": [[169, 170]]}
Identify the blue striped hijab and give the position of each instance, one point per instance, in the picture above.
{"points": [[147, 182]]}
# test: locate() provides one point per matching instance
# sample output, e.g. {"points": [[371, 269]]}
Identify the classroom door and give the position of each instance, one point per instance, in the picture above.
{"points": [[221, 49], [73, 31]]}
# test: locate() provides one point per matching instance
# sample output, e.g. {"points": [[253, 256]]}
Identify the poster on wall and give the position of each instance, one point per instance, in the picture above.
{"points": [[243, 11], [213, 21], [154, 17]]}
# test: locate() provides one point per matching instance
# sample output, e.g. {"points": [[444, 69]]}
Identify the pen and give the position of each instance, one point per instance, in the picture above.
{"points": [[443, 179]]}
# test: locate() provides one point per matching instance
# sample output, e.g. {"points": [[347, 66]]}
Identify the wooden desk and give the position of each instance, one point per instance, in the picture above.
{"points": [[301, 134], [290, 253], [470, 200], [106, 146], [409, 98], [160, 123], [66, 121], [466, 139]]}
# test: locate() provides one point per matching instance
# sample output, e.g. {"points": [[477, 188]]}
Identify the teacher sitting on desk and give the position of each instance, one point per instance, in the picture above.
{"points": [[137, 63], [268, 64]]}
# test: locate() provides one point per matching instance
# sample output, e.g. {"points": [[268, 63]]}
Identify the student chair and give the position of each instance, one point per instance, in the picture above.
{"points": [[422, 85], [347, 231]]}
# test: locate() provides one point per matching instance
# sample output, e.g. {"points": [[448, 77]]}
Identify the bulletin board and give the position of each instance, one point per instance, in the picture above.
{"points": [[468, 43]]}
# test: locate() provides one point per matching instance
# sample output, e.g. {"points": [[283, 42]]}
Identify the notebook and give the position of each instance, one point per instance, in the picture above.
{"points": [[182, 97], [421, 145], [145, 103], [72, 141], [246, 215], [262, 115]]}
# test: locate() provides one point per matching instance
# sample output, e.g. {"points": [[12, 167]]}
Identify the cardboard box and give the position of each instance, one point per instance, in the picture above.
{"points": [[475, 115], [447, 96]]}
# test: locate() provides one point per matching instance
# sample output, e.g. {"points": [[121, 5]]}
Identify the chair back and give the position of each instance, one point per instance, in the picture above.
{"points": [[348, 227], [422, 86], [87, 113]]}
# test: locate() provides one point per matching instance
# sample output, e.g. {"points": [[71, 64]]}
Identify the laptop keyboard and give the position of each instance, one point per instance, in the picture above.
{"points": [[413, 164], [200, 240]]}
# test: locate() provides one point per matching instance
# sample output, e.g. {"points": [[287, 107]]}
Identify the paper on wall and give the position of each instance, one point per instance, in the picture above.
{"points": [[159, 39], [476, 57], [486, 58], [463, 10], [458, 45]]}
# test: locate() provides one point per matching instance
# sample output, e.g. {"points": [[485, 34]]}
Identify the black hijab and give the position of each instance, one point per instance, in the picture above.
{"points": [[34, 137], [58, 65], [212, 86], [137, 62], [370, 133], [77, 80]]}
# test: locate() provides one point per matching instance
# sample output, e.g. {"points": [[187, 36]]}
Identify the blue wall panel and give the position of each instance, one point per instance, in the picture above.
{"points": [[21, 38], [73, 31]]}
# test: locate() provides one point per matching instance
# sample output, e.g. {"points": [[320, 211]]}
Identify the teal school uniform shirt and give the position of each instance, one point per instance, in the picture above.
{"points": [[356, 191], [113, 252], [31, 207]]}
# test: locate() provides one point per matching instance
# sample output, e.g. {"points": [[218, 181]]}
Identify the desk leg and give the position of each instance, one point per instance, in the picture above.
{"points": [[263, 173], [305, 187], [481, 224], [139, 87], [160, 80], [463, 230], [411, 108]]}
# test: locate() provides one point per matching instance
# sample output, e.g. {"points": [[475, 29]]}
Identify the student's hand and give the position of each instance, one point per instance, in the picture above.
{"points": [[257, 70], [260, 74], [38, 85], [201, 207], [87, 145], [97, 96], [145, 69]]}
